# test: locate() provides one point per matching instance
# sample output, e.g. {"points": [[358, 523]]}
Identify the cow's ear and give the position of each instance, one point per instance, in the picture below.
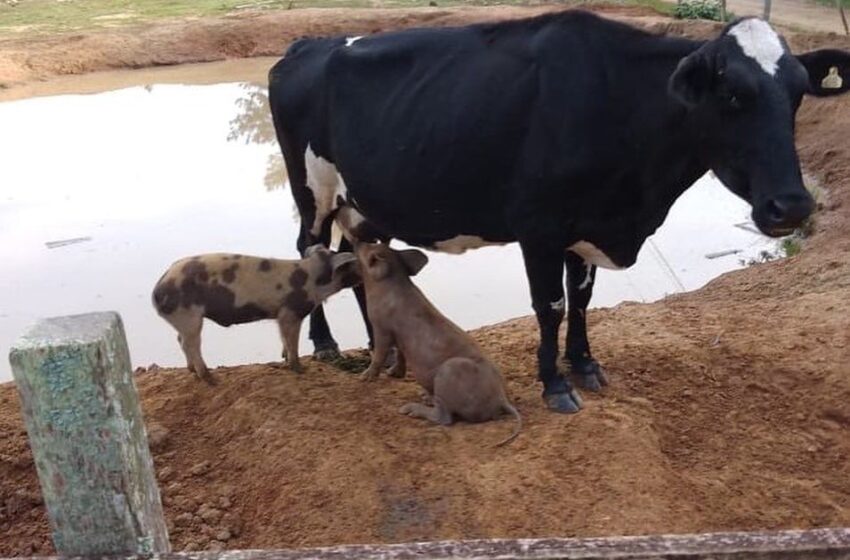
{"points": [[691, 80], [829, 71], [413, 260]]}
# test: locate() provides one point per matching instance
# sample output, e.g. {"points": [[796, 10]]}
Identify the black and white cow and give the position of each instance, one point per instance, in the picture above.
{"points": [[568, 133]]}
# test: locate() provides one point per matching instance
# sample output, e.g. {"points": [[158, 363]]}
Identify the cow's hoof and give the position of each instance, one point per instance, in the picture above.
{"points": [[327, 353], [590, 376], [563, 403]]}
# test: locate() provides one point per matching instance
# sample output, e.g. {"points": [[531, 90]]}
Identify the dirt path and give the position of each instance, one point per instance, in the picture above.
{"points": [[729, 407], [801, 14]]}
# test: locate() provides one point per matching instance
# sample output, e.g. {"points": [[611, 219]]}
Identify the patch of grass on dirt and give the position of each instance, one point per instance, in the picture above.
{"points": [[353, 362], [51, 16], [44, 17], [831, 3]]}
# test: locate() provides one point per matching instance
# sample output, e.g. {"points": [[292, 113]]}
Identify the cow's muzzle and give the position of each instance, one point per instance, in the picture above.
{"points": [[782, 214]]}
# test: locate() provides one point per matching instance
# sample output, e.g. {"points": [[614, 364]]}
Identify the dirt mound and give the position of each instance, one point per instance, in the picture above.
{"points": [[729, 409], [713, 422]]}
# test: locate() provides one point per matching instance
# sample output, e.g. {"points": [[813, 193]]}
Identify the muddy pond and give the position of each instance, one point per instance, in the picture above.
{"points": [[101, 190]]}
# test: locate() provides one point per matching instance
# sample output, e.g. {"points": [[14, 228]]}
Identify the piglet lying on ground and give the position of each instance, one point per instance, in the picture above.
{"points": [[232, 289], [445, 360]]}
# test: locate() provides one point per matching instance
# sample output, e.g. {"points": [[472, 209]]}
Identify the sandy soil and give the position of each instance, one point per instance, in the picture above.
{"points": [[729, 407]]}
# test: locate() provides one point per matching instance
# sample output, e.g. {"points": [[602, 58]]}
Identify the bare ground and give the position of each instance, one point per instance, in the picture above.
{"points": [[729, 407]]}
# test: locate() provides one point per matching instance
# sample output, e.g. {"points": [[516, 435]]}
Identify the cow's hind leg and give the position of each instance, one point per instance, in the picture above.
{"points": [[545, 269], [580, 278]]}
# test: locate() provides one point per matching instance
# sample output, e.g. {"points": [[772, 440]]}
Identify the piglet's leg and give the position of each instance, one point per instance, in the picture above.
{"points": [[290, 330], [399, 368], [189, 328], [438, 414], [383, 343]]}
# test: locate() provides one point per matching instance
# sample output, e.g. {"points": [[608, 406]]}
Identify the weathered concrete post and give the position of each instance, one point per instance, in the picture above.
{"points": [[88, 440]]}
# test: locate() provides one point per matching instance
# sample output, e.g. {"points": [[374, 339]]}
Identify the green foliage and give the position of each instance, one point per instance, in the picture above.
{"points": [[698, 9], [353, 362], [791, 246]]}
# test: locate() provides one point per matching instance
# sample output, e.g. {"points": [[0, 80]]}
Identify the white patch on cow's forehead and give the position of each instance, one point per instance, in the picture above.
{"points": [[462, 243], [351, 40], [591, 254], [760, 42], [327, 186]]}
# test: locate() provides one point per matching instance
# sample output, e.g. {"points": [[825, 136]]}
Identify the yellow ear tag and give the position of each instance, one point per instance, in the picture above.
{"points": [[832, 79]]}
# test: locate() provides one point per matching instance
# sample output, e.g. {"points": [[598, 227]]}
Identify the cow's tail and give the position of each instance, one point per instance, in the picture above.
{"points": [[517, 428]]}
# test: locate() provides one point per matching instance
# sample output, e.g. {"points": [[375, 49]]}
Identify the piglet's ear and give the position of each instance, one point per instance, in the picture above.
{"points": [[691, 80], [413, 260], [313, 249], [829, 71], [346, 268]]}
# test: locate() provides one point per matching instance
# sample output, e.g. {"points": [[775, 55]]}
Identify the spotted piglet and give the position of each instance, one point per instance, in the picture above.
{"points": [[231, 289]]}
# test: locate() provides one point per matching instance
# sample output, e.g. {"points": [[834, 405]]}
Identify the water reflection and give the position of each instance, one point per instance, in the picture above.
{"points": [[252, 124], [100, 193]]}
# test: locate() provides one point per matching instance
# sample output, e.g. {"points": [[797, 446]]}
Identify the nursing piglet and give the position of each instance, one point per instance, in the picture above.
{"points": [[462, 383], [231, 289]]}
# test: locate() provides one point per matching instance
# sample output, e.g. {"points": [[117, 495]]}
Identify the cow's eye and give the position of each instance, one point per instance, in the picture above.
{"points": [[734, 102]]}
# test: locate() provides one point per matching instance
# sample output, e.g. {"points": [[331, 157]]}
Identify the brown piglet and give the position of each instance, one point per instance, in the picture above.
{"points": [[231, 289], [459, 379]]}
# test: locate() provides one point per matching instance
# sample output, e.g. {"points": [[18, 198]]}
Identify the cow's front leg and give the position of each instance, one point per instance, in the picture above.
{"points": [[325, 347], [545, 270], [580, 278]]}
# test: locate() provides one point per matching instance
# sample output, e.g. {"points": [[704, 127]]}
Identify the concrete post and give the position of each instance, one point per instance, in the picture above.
{"points": [[88, 439]]}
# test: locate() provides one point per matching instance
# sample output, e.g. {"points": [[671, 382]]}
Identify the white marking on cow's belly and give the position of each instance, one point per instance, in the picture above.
{"points": [[326, 184], [591, 254], [349, 219], [351, 40], [462, 243], [760, 42]]}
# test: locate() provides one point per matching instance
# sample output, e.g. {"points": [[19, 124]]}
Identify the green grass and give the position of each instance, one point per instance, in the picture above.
{"points": [[355, 361], [44, 17], [831, 4], [70, 15]]}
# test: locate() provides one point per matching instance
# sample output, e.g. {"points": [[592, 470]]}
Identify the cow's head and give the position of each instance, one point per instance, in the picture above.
{"points": [[742, 91]]}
